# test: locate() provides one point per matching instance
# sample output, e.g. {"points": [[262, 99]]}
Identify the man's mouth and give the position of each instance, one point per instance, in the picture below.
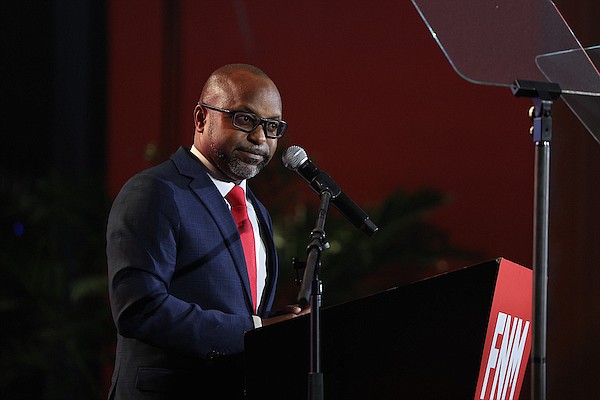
{"points": [[251, 157]]}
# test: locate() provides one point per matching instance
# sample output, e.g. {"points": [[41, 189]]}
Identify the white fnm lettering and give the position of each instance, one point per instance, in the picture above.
{"points": [[506, 360]]}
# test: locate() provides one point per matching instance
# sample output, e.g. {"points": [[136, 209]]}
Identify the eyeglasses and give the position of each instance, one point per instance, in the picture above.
{"points": [[247, 122]]}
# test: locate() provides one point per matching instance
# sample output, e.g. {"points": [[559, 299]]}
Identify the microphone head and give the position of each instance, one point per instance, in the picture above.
{"points": [[293, 157]]}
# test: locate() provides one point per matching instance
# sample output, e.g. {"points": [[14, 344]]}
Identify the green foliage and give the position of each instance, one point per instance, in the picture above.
{"points": [[407, 247], [56, 322]]}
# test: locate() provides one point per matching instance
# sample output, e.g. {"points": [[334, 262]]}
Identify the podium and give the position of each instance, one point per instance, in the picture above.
{"points": [[465, 334]]}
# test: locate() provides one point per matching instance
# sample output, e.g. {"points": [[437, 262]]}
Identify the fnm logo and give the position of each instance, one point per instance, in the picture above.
{"points": [[504, 363]]}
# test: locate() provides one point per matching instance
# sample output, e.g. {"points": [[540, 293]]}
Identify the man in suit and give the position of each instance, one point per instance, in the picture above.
{"points": [[184, 285]]}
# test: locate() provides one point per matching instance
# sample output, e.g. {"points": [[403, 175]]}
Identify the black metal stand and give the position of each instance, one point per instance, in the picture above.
{"points": [[543, 95], [310, 293]]}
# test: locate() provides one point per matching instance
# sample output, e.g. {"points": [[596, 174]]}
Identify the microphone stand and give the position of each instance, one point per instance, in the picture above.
{"points": [[311, 291]]}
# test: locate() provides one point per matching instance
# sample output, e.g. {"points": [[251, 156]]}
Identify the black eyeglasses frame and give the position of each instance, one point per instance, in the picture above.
{"points": [[261, 121]]}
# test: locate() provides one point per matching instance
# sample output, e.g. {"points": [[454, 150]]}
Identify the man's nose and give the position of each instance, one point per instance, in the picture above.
{"points": [[258, 135]]}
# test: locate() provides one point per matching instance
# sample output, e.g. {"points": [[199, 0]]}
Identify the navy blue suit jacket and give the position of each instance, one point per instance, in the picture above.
{"points": [[178, 286]]}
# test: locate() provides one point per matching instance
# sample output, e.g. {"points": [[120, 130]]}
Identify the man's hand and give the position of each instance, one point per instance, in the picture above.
{"points": [[291, 311]]}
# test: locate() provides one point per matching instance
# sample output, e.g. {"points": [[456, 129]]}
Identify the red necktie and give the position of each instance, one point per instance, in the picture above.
{"points": [[237, 200]]}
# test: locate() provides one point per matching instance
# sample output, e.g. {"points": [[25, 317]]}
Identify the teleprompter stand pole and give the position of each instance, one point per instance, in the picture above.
{"points": [[310, 293], [543, 94]]}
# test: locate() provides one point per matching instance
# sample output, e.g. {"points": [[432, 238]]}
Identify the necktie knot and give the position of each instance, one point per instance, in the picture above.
{"points": [[236, 196], [237, 200]]}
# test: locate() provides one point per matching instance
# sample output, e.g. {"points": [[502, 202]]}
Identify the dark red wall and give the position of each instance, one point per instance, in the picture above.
{"points": [[370, 96]]}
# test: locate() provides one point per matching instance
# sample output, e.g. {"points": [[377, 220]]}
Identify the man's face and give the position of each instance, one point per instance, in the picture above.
{"points": [[240, 155]]}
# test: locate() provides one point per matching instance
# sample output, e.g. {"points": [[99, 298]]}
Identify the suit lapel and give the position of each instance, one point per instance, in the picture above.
{"points": [[208, 194]]}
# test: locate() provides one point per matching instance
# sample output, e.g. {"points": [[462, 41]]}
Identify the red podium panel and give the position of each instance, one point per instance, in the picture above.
{"points": [[508, 338], [460, 335]]}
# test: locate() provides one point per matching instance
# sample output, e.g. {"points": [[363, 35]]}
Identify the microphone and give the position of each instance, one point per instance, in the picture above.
{"points": [[296, 159]]}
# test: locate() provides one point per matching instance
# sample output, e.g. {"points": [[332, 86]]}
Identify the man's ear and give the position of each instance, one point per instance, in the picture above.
{"points": [[199, 118]]}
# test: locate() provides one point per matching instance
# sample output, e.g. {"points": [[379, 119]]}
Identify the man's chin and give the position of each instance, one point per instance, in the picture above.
{"points": [[246, 171]]}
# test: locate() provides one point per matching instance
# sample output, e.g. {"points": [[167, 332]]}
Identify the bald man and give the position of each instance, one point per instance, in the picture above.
{"points": [[183, 284]]}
